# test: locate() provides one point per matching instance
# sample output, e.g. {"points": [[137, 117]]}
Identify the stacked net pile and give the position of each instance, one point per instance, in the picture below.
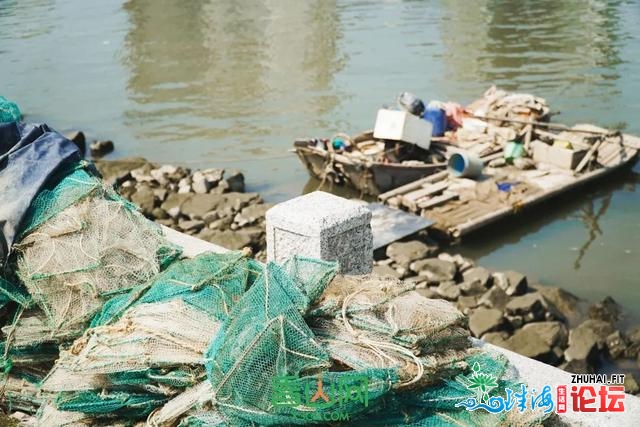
{"points": [[79, 245], [104, 326], [148, 345], [403, 359]]}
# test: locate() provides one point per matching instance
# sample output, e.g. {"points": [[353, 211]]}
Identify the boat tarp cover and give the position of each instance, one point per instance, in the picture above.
{"points": [[29, 155]]}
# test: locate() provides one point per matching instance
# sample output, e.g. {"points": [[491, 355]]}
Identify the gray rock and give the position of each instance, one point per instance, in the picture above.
{"points": [[159, 213], [143, 173], [240, 200], [466, 303], [177, 173], [600, 328], [516, 322], [235, 180], [228, 239], [633, 344], [607, 310], [494, 298], [174, 213], [200, 184], [159, 176], [531, 345], [631, 383], [222, 187], [144, 198], [473, 287], [565, 305], [191, 226], [511, 282], [161, 194], [554, 334], [446, 257], [578, 367], [585, 340], [252, 214], [166, 222], [479, 274], [616, 344], [127, 189], [256, 235], [403, 272], [448, 290], [496, 338], [404, 253], [221, 224], [484, 320], [462, 263], [115, 172], [385, 271], [209, 217], [77, 137], [185, 189], [198, 205], [185, 182], [174, 201], [434, 269], [214, 176], [428, 293], [168, 170], [531, 306], [101, 148]]}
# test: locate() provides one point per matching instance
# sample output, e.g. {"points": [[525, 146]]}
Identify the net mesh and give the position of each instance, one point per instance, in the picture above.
{"points": [[103, 325], [9, 111], [73, 262]]}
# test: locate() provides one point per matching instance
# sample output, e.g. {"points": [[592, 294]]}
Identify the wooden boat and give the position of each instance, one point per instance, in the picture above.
{"points": [[363, 167], [459, 206], [375, 166]]}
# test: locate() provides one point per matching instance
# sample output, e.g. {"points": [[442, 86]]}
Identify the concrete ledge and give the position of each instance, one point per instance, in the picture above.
{"points": [[192, 245], [537, 375]]}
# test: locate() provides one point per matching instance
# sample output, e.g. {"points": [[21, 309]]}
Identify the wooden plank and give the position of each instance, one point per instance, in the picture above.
{"points": [[394, 201], [439, 176], [587, 158], [409, 200], [437, 201]]}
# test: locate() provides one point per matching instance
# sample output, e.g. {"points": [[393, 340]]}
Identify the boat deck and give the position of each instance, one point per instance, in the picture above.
{"points": [[458, 206]]}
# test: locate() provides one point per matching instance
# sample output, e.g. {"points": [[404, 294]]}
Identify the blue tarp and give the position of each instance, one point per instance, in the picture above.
{"points": [[29, 155]]}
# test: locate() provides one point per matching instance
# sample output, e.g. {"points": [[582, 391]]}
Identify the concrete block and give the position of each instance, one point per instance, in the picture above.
{"points": [[321, 225]]}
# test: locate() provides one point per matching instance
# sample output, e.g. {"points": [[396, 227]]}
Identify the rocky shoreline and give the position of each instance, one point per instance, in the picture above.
{"points": [[210, 204], [541, 322], [544, 323]]}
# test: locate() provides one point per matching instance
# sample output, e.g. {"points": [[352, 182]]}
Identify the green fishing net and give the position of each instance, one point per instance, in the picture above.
{"points": [[104, 325], [9, 111]]}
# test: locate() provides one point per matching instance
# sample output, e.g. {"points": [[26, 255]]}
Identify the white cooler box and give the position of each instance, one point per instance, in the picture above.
{"points": [[403, 126]]}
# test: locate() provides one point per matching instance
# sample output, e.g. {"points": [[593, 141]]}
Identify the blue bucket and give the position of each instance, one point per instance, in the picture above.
{"points": [[438, 119], [465, 165]]}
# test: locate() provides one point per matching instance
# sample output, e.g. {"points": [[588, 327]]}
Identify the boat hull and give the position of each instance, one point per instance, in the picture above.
{"points": [[370, 178]]}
